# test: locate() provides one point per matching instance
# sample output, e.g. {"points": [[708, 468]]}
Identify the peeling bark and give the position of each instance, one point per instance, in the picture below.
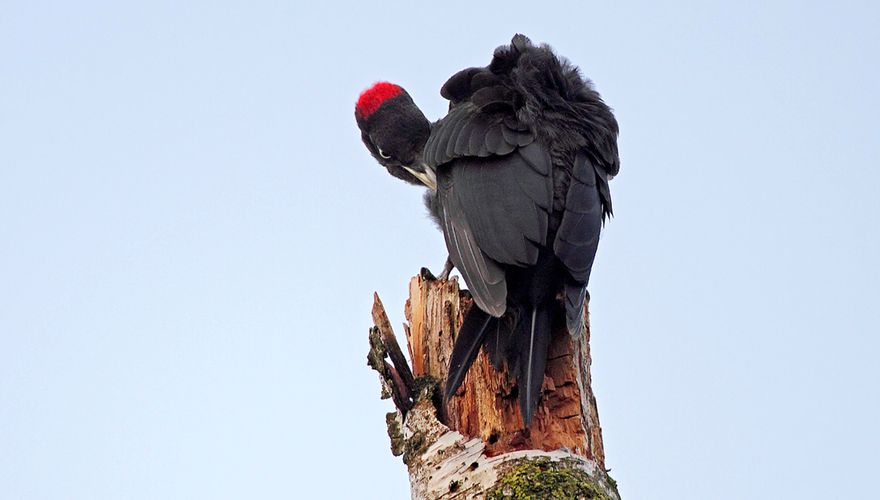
{"points": [[477, 446]]}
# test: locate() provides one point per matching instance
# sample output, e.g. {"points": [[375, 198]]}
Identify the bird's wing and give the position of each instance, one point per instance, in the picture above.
{"points": [[577, 238], [495, 211], [480, 128], [494, 183], [578, 235], [484, 276]]}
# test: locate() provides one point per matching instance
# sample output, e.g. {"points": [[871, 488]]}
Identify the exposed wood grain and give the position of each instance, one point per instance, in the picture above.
{"points": [[486, 405], [380, 319], [482, 421]]}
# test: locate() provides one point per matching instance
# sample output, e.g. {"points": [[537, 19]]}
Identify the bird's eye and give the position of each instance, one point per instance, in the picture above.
{"points": [[383, 155]]}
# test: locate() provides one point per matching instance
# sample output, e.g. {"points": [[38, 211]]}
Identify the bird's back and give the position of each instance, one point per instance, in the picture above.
{"points": [[523, 160]]}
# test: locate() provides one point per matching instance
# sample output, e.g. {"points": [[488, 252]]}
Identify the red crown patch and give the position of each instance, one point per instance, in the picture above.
{"points": [[371, 99]]}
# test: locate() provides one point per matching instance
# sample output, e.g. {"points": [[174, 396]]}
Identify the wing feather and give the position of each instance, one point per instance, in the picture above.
{"points": [[469, 130], [578, 235], [506, 203], [483, 275], [495, 212]]}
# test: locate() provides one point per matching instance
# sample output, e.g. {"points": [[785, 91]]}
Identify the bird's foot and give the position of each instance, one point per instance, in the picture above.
{"points": [[427, 275], [447, 268]]}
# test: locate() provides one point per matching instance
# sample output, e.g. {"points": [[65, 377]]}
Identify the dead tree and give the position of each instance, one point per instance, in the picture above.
{"points": [[476, 446]]}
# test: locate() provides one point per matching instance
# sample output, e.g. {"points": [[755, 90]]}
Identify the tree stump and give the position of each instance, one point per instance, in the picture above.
{"points": [[476, 446]]}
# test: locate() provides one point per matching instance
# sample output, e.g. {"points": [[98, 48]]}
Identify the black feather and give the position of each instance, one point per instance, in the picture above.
{"points": [[577, 238], [462, 142], [505, 203], [575, 298], [534, 342], [492, 343], [484, 275], [494, 138], [458, 87], [467, 345]]}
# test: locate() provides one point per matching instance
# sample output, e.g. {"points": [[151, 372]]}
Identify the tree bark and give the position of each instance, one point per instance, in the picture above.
{"points": [[476, 446]]}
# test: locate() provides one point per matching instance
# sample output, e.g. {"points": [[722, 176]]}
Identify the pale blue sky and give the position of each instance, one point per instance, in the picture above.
{"points": [[191, 232]]}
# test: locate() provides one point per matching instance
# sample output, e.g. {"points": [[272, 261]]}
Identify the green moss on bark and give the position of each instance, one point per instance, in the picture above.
{"points": [[414, 448], [426, 386], [376, 356], [542, 478], [395, 433]]}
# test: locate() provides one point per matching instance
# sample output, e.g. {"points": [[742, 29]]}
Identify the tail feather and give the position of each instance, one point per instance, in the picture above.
{"points": [[493, 346], [534, 339], [521, 339], [499, 342], [467, 345], [575, 295]]}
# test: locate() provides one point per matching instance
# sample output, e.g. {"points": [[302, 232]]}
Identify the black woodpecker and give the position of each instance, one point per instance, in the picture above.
{"points": [[518, 172]]}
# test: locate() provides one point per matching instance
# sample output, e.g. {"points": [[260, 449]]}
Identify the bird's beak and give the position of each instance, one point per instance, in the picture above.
{"points": [[425, 174]]}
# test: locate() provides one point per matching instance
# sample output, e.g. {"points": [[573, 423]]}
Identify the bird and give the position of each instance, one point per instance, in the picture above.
{"points": [[518, 178]]}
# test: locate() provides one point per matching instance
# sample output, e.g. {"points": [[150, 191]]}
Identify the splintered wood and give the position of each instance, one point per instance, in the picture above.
{"points": [[469, 447], [486, 405]]}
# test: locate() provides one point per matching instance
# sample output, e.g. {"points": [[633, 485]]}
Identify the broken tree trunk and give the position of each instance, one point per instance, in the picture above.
{"points": [[476, 446]]}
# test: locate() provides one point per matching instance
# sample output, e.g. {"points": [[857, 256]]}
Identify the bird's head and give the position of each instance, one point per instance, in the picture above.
{"points": [[395, 131]]}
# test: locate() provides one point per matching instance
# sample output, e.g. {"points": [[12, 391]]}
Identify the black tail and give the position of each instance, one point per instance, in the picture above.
{"points": [[575, 295], [467, 345], [534, 333], [525, 349], [499, 343]]}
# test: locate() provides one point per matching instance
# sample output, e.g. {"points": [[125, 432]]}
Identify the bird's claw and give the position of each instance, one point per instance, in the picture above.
{"points": [[447, 268], [427, 275]]}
